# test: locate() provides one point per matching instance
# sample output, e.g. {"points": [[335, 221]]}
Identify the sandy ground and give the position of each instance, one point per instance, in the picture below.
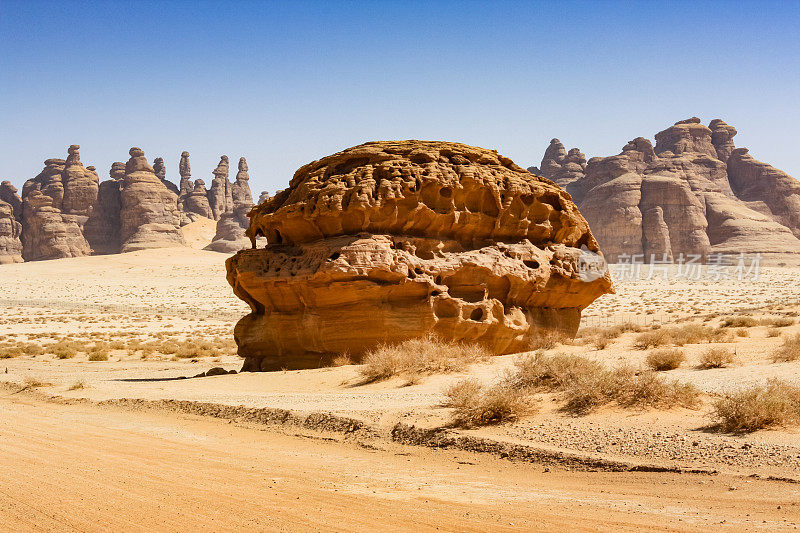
{"points": [[181, 295], [90, 469]]}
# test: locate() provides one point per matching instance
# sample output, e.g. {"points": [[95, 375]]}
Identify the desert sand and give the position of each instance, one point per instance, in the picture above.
{"points": [[151, 446]]}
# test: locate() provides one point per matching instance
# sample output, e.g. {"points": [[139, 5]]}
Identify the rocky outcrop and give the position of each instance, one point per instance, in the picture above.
{"points": [[561, 166], [160, 170], [185, 186], [694, 193], [219, 196], [149, 210], [231, 227], [103, 228], [263, 197], [8, 194], [56, 205], [765, 188], [722, 138], [10, 232], [196, 202], [393, 240]]}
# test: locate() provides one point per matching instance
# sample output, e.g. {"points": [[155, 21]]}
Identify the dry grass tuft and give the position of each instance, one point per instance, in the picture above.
{"points": [[80, 384], [773, 404], [477, 405], [343, 359], [773, 332], [665, 359], [415, 357], [547, 340], [790, 351], [740, 321], [681, 336], [716, 357], [587, 385], [777, 322]]}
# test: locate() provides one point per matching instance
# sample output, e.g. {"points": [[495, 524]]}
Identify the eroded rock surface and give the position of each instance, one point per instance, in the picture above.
{"points": [[392, 240], [56, 205], [231, 226], [149, 210], [694, 193], [219, 196], [10, 232]]}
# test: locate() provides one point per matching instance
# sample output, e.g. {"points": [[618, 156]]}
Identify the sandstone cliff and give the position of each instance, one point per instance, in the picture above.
{"points": [[392, 240], [694, 193]]}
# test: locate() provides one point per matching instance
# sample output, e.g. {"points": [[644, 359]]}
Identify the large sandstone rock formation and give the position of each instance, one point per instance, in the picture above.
{"points": [[8, 194], [160, 170], [561, 166], [392, 240], [694, 193], [149, 210], [219, 196], [56, 205], [103, 228], [10, 231], [231, 227]]}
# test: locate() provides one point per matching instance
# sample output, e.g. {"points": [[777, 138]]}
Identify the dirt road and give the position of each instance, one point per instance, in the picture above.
{"points": [[86, 468]]}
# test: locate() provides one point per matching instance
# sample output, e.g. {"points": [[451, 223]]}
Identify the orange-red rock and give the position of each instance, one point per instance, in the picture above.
{"points": [[392, 240]]}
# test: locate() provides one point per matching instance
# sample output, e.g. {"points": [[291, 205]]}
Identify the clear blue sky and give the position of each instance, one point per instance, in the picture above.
{"points": [[284, 83]]}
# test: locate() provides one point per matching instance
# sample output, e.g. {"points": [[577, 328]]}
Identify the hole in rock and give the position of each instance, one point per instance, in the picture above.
{"points": [[418, 270], [334, 256], [435, 293], [476, 314], [531, 264], [527, 199], [438, 280], [447, 192], [275, 237]]}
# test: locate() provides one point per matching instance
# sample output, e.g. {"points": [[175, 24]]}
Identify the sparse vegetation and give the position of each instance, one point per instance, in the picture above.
{"points": [[777, 322], [680, 336], [414, 357], [343, 359], [547, 340], [80, 384], [774, 404], [740, 321], [790, 351], [716, 357], [665, 359], [588, 384], [477, 405], [773, 332]]}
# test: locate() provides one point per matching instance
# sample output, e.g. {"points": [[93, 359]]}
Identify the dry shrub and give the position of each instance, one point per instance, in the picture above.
{"points": [[773, 404], [547, 340], [587, 385], [740, 321], [477, 405], [602, 337], [790, 351], [65, 348], [680, 336], [32, 383], [716, 357], [777, 322], [697, 333], [80, 384], [773, 332], [424, 355], [665, 359], [343, 359], [742, 332], [653, 339]]}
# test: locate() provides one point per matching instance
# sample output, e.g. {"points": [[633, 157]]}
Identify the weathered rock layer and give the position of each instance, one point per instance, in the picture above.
{"points": [[392, 240], [693, 194]]}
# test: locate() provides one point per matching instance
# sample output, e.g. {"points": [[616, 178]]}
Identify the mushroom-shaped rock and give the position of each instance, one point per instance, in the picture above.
{"points": [[392, 240]]}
